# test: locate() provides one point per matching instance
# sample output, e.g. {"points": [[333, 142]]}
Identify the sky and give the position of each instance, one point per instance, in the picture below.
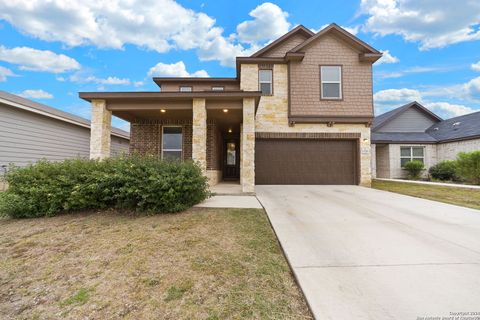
{"points": [[51, 50]]}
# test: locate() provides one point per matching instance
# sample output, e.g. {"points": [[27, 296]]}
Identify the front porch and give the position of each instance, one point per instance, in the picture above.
{"points": [[216, 130]]}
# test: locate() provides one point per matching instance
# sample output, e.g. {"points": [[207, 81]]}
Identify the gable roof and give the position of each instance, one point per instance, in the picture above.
{"points": [[345, 35], [458, 128], [38, 108], [385, 118], [300, 29]]}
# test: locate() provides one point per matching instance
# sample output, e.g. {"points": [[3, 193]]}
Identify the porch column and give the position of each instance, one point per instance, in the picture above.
{"points": [[100, 130], [199, 133], [247, 165]]}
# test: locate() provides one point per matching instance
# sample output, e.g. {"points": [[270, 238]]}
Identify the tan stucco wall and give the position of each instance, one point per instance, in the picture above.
{"points": [[382, 161], [449, 151], [272, 115], [396, 170]]}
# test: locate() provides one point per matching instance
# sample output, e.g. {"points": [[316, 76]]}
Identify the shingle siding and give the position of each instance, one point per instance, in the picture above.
{"points": [[305, 81], [280, 50], [26, 137]]}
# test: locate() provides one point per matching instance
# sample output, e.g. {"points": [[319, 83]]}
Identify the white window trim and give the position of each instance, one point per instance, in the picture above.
{"points": [[411, 157], [181, 149], [269, 82], [340, 91], [218, 88]]}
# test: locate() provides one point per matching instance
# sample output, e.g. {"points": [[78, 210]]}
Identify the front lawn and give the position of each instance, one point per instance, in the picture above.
{"points": [[198, 264], [458, 196]]}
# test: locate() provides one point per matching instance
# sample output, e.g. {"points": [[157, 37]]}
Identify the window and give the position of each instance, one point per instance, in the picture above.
{"points": [[185, 89], [265, 81], [231, 154], [331, 82], [410, 154], [218, 88], [172, 143]]}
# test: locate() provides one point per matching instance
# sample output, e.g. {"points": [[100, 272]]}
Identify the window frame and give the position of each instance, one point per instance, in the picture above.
{"points": [[218, 88], [180, 88], [161, 146], [340, 98], [260, 82], [411, 157]]}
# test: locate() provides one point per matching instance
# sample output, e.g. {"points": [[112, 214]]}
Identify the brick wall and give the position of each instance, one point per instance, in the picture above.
{"points": [[213, 143], [146, 137], [305, 81]]}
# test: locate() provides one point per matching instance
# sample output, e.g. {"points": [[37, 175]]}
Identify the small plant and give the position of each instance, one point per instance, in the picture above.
{"points": [[80, 297], [175, 293], [445, 170], [468, 166], [414, 169]]}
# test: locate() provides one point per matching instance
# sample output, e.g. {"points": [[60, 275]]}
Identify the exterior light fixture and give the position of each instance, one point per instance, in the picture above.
{"points": [[163, 110], [225, 110]]}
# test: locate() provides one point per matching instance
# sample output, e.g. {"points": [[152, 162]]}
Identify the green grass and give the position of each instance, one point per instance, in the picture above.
{"points": [[198, 264], [459, 196], [80, 297]]}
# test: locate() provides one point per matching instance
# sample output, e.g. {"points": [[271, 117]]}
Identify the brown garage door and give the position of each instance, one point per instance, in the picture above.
{"points": [[296, 161]]}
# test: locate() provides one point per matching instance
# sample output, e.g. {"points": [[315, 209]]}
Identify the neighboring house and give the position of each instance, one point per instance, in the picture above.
{"points": [[412, 132], [30, 131], [298, 112]]}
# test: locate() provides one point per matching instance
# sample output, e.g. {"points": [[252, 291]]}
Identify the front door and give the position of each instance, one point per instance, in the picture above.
{"points": [[231, 160]]}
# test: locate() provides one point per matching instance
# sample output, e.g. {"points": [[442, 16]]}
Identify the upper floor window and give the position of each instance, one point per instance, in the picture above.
{"points": [[411, 153], [331, 82], [217, 88], [265, 82], [185, 89]]}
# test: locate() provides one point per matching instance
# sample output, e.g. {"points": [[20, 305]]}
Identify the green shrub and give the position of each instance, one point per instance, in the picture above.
{"points": [[414, 169], [468, 166], [141, 183], [444, 170]]}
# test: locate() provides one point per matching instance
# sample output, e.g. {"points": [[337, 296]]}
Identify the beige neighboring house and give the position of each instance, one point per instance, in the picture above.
{"points": [[30, 131], [298, 112], [412, 132]]}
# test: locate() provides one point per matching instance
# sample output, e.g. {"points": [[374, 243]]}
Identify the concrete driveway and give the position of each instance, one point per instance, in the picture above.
{"points": [[360, 253]]}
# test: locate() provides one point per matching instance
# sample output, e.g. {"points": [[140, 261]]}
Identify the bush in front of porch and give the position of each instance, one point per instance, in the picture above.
{"points": [[145, 184]]}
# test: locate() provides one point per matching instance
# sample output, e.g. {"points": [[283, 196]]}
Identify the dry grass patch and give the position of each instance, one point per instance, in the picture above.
{"points": [[199, 264], [459, 196]]}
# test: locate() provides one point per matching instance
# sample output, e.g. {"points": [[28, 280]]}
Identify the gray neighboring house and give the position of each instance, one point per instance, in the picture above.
{"points": [[30, 131], [412, 132]]}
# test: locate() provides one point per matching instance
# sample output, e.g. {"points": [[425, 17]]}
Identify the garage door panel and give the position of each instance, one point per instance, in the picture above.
{"points": [[296, 161]]}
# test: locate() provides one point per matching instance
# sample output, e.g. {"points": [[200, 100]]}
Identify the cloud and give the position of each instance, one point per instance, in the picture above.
{"points": [[35, 94], [451, 110], [38, 60], [159, 25], [472, 88], [396, 96], [476, 66], [387, 58], [177, 69], [4, 73], [431, 23], [79, 77], [386, 100], [269, 22]]}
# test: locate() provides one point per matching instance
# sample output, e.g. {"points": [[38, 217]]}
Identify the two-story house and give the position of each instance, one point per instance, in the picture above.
{"points": [[298, 112]]}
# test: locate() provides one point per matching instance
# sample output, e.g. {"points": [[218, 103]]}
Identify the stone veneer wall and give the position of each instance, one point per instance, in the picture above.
{"points": [[272, 115], [146, 137], [100, 131], [449, 150], [396, 171]]}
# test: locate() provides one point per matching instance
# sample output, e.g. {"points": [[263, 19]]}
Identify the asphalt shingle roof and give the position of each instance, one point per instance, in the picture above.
{"points": [[458, 128]]}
